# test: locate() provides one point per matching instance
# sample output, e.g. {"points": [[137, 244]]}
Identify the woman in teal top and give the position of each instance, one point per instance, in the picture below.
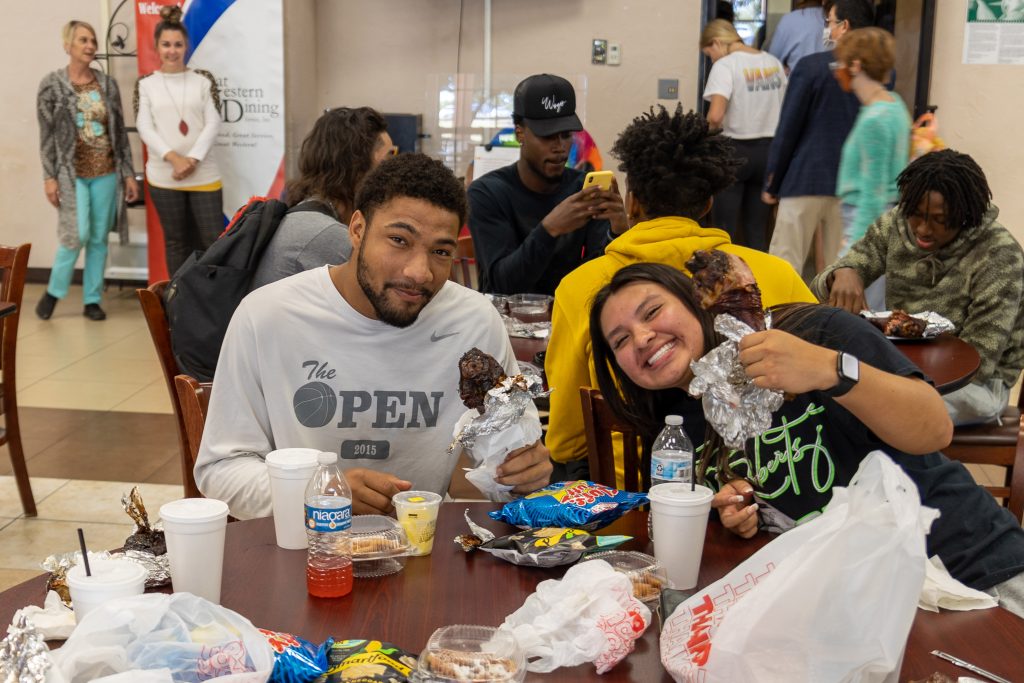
{"points": [[877, 147]]}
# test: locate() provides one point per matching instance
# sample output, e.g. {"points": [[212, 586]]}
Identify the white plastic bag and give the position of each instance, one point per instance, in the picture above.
{"points": [[831, 600], [590, 615], [180, 636]]}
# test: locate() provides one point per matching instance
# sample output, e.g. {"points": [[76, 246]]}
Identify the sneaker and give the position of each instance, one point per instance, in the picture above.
{"points": [[94, 312], [44, 309]]}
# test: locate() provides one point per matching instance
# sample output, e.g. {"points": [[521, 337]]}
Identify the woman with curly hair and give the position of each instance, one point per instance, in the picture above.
{"points": [[674, 166], [177, 112], [343, 147], [87, 166]]}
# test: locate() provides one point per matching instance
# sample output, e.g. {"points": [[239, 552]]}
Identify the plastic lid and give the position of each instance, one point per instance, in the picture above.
{"points": [[327, 458], [193, 510], [424, 498], [645, 572], [674, 420], [375, 537], [472, 653], [293, 458], [112, 571], [680, 494]]}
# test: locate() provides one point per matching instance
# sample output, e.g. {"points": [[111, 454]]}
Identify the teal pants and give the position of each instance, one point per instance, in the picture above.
{"points": [[94, 199]]}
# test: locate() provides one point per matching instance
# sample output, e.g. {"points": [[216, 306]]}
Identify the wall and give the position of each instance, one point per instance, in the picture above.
{"points": [[980, 112], [300, 77], [392, 54]]}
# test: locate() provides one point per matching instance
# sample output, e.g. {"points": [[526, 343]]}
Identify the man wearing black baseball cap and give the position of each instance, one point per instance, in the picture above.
{"points": [[531, 222]]}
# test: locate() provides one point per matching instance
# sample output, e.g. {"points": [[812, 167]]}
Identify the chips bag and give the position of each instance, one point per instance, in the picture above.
{"points": [[569, 504]]}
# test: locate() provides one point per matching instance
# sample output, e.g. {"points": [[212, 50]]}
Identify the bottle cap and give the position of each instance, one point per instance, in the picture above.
{"points": [[327, 458], [674, 420]]}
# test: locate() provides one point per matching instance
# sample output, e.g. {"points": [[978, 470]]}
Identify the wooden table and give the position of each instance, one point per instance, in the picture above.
{"points": [[267, 585], [949, 361]]}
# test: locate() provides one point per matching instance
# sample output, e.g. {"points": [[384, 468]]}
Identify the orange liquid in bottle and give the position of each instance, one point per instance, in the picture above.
{"points": [[329, 583]]}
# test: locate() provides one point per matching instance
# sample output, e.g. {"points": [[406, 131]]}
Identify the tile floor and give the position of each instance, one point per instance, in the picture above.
{"points": [[96, 420]]}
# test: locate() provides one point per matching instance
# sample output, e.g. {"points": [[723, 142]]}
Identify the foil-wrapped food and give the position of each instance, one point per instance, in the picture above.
{"points": [[736, 408]]}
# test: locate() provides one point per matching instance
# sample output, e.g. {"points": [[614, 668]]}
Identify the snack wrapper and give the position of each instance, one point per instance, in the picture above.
{"points": [[509, 421], [571, 504], [546, 547], [935, 324], [367, 661], [296, 660], [736, 408]]}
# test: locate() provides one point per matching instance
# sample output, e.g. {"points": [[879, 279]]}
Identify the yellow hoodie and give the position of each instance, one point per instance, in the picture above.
{"points": [[670, 240]]}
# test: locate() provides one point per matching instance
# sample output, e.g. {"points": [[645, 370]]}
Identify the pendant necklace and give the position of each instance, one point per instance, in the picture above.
{"points": [[182, 126]]}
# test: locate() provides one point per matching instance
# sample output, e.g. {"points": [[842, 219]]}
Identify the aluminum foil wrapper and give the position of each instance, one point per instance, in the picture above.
{"points": [[517, 328], [935, 324], [24, 656], [504, 406], [736, 408], [477, 535]]}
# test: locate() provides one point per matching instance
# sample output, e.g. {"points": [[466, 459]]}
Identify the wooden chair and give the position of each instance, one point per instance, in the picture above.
{"points": [[193, 399], [600, 424], [152, 300], [995, 444], [464, 269], [14, 262]]}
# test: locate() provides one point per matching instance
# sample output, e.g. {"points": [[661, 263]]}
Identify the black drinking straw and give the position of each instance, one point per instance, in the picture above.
{"points": [[85, 554]]}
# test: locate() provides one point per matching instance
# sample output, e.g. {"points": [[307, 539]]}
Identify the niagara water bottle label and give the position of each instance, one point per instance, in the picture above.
{"points": [[328, 519]]}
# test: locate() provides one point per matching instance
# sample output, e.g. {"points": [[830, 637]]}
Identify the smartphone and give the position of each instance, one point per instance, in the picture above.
{"points": [[602, 179]]}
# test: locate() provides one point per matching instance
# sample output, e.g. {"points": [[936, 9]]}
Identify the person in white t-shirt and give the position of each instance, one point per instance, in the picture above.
{"points": [[360, 359], [177, 113], [745, 90]]}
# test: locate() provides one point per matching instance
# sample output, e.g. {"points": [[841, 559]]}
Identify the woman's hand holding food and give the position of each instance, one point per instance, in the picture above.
{"points": [[735, 509], [774, 359]]}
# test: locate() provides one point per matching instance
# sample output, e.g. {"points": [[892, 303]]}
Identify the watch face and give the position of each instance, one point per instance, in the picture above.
{"points": [[851, 367]]}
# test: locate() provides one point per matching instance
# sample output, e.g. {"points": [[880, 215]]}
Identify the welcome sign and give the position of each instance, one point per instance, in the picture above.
{"points": [[241, 43]]}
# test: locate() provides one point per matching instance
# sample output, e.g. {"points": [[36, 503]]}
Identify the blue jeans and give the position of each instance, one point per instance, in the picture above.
{"points": [[94, 199]]}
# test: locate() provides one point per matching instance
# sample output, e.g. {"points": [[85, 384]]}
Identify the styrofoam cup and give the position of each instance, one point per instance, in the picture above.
{"points": [[290, 470], [115, 577], [417, 513], [194, 529], [680, 520]]}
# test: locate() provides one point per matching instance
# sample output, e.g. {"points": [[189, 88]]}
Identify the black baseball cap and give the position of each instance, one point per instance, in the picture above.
{"points": [[547, 104]]}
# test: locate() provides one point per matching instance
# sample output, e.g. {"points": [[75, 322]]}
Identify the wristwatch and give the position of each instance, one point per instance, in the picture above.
{"points": [[848, 370]]}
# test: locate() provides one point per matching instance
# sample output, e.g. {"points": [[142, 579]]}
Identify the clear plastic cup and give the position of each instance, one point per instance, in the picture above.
{"points": [[290, 470], [379, 546], [115, 577], [194, 529], [482, 654], [680, 521], [417, 513]]}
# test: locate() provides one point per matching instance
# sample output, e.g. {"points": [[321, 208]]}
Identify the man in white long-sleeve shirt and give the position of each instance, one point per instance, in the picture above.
{"points": [[360, 359]]}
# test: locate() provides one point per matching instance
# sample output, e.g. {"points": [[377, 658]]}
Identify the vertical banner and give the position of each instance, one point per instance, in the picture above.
{"points": [[241, 42]]}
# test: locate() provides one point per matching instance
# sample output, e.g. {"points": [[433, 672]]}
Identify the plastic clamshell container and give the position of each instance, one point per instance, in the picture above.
{"points": [[379, 546], [481, 654], [645, 572]]}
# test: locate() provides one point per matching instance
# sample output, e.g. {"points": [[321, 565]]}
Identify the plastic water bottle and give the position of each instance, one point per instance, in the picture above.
{"points": [[672, 454], [328, 518]]}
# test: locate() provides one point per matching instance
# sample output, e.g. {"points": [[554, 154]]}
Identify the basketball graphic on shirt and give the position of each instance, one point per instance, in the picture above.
{"points": [[315, 404]]}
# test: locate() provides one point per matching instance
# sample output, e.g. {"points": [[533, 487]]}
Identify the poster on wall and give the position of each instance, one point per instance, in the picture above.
{"points": [[241, 43], [994, 32]]}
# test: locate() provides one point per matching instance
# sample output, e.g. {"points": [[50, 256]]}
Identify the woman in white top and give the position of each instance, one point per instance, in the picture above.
{"points": [[744, 89], [177, 114]]}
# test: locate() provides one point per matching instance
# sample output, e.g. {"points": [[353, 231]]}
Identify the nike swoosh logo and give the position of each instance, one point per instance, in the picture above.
{"points": [[435, 337]]}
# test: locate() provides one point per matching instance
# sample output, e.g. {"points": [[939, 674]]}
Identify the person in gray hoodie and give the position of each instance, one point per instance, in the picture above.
{"points": [[343, 147], [942, 249]]}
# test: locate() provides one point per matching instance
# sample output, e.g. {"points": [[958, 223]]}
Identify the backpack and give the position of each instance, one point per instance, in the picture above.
{"points": [[207, 288]]}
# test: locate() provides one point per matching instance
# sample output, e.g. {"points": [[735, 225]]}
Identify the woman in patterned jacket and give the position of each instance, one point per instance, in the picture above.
{"points": [[87, 167]]}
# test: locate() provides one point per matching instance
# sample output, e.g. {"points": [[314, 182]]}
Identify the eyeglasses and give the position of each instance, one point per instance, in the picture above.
{"points": [[829, 21]]}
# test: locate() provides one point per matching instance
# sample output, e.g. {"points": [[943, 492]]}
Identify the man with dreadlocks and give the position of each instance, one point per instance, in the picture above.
{"points": [[942, 249], [674, 166]]}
